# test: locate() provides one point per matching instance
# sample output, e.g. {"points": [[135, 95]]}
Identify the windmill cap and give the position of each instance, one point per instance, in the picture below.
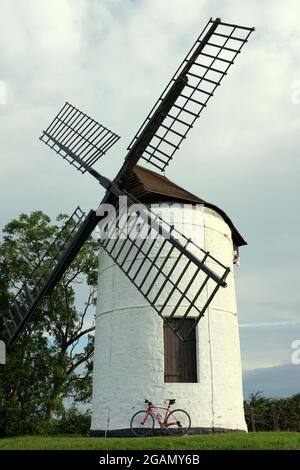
{"points": [[149, 186]]}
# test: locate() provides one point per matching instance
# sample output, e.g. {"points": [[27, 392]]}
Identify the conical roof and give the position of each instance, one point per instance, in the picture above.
{"points": [[150, 187]]}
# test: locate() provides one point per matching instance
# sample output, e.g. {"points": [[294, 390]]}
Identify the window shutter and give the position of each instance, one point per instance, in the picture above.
{"points": [[180, 356]]}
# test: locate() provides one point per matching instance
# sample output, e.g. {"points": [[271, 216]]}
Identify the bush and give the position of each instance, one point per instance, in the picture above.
{"points": [[72, 421], [286, 409], [14, 423]]}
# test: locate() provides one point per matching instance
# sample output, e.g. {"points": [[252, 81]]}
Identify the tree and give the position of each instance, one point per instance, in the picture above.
{"points": [[53, 359]]}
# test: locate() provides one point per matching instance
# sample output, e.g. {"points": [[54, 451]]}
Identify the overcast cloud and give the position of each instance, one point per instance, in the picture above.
{"points": [[112, 58]]}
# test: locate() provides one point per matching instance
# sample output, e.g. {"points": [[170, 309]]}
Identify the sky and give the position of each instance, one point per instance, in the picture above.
{"points": [[112, 59]]}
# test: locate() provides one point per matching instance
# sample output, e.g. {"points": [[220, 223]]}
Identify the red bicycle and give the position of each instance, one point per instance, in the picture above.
{"points": [[176, 422]]}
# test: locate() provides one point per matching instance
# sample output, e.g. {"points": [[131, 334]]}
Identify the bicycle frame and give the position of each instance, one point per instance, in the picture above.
{"points": [[150, 410]]}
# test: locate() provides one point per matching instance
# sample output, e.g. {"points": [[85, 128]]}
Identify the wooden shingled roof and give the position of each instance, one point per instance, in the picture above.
{"points": [[151, 187]]}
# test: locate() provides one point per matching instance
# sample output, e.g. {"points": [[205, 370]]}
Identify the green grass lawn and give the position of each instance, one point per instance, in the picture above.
{"points": [[259, 440]]}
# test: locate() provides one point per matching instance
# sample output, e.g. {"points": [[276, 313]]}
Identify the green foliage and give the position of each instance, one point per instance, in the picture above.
{"points": [[72, 421], [52, 360], [287, 411], [24, 387]]}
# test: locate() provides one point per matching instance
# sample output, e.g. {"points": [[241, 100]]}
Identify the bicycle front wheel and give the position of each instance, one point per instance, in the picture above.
{"points": [[178, 423], [142, 424]]}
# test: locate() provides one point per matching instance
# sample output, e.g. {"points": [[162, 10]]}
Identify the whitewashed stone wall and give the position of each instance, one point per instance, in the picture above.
{"points": [[129, 353]]}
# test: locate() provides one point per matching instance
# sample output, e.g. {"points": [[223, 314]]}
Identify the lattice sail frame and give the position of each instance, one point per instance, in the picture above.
{"points": [[163, 264], [32, 291], [200, 73], [78, 138]]}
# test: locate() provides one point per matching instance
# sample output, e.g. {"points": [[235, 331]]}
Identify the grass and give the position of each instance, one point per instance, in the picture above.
{"points": [[236, 441]]}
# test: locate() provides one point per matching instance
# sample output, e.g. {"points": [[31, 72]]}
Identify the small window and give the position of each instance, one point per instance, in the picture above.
{"points": [[180, 356]]}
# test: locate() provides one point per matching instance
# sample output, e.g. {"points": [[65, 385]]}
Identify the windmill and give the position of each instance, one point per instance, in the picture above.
{"points": [[168, 272]]}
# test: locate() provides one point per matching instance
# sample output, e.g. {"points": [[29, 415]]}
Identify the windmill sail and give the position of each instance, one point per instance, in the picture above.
{"points": [[177, 277], [187, 93], [48, 272], [78, 138]]}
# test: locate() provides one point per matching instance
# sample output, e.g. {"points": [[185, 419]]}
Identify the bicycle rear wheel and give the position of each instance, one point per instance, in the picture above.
{"points": [[178, 423], [141, 424]]}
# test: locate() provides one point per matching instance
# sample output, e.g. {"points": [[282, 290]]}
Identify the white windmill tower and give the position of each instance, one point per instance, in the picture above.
{"points": [[138, 356], [178, 271]]}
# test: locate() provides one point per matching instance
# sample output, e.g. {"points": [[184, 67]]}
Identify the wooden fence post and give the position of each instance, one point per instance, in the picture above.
{"points": [[275, 417], [252, 416]]}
